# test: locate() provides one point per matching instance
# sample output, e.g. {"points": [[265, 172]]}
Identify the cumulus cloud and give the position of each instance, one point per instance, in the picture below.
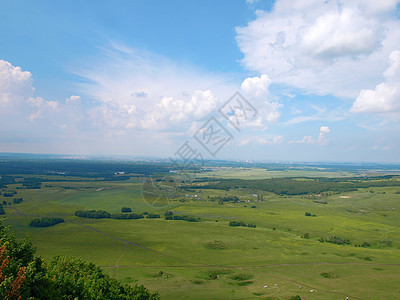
{"points": [[15, 85], [322, 47], [385, 98], [256, 90], [170, 111], [25, 114], [320, 141], [140, 89]]}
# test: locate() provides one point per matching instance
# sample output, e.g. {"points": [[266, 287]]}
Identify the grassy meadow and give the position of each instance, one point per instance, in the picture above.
{"points": [[280, 258]]}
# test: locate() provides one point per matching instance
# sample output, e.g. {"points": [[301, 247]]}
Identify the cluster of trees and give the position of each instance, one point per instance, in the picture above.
{"points": [[320, 202], [238, 223], [221, 200], [2, 212], [102, 214], [292, 186], [5, 180], [92, 214], [18, 200], [26, 276], [10, 194], [127, 216], [335, 240], [169, 215], [32, 182], [126, 209], [45, 222]]}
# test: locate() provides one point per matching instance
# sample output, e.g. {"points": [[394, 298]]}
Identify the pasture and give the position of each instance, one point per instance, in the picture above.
{"points": [[280, 258]]}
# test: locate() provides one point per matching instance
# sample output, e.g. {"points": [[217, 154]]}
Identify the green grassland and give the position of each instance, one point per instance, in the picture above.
{"points": [[212, 260]]}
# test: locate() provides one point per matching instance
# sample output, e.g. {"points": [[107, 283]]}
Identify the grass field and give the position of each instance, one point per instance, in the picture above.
{"points": [[212, 260]]}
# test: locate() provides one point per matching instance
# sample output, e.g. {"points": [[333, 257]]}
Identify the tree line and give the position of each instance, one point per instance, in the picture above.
{"points": [[46, 222], [292, 186], [102, 214], [169, 215], [239, 223]]}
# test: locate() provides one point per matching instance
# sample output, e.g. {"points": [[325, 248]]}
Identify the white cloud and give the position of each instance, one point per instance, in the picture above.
{"points": [[322, 139], [274, 141], [323, 47], [139, 89], [256, 90], [15, 85], [385, 98], [170, 111], [27, 115]]}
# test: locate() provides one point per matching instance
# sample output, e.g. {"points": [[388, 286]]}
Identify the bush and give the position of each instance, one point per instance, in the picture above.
{"points": [[126, 209]]}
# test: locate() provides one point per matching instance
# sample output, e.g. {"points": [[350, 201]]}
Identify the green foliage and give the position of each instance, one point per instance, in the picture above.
{"points": [[307, 214], [335, 240], [45, 222], [32, 182], [126, 209], [297, 297], [5, 180], [9, 194], [238, 223], [329, 275], [126, 216], [18, 200], [293, 186], [24, 276], [78, 279], [153, 216], [219, 199], [169, 215], [93, 214], [2, 212]]}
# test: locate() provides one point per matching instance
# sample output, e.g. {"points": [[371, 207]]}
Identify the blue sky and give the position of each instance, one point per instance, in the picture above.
{"points": [[140, 78]]}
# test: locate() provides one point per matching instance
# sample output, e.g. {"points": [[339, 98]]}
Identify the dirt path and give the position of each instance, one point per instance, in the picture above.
{"points": [[118, 260]]}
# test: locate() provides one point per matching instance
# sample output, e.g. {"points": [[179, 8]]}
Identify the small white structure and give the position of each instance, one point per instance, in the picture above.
{"points": [[275, 285], [265, 286]]}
